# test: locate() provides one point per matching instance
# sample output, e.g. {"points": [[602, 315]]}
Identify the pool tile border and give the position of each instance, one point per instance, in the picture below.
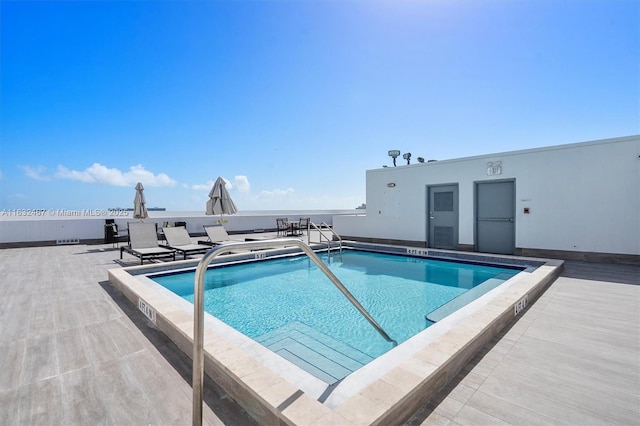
{"points": [[389, 399]]}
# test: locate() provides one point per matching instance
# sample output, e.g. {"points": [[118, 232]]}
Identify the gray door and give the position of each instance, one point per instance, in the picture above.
{"points": [[443, 217], [495, 211]]}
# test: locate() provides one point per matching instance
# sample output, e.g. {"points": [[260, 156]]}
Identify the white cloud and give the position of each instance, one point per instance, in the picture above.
{"points": [[227, 184], [242, 184], [35, 172], [278, 192], [203, 186], [97, 173]]}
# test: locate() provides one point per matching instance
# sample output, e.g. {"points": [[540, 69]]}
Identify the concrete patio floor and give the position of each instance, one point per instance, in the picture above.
{"points": [[75, 351]]}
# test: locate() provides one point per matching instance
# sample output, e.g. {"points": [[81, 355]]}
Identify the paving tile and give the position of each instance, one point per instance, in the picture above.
{"points": [[119, 391], [167, 396], [9, 407], [461, 392], [65, 317], [40, 403], [110, 340], [473, 380], [430, 418], [472, 417], [360, 410], [83, 398], [40, 359], [11, 361], [14, 317], [305, 411], [41, 318], [506, 411], [449, 407], [71, 351]]}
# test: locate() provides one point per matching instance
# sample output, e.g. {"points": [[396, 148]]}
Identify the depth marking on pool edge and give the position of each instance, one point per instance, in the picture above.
{"points": [[521, 304], [147, 310], [419, 252]]}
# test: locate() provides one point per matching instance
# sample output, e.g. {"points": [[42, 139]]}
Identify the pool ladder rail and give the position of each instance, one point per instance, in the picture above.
{"points": [[324, 226], [198, 305]]}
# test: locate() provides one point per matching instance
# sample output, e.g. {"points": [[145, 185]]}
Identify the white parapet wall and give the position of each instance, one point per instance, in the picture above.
{"points": [[49, 226]]}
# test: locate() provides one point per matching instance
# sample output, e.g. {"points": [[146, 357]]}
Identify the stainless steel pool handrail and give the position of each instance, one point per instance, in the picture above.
{"points": [[198, 305], [325, 226]]}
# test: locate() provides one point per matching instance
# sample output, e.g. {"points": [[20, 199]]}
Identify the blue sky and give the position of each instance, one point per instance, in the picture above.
{"points": [[291, 101]]}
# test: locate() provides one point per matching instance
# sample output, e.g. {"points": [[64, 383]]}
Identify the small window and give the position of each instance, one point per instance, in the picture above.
{"points": [[443, 201]]}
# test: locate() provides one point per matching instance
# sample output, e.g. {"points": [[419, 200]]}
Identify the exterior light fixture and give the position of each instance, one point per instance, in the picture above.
{"points": [[420, 160], [391, 185], [407, 156], [394, 153]]}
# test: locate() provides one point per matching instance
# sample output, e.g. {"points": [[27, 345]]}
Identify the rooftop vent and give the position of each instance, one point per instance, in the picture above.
{"points": [[68, 241]]}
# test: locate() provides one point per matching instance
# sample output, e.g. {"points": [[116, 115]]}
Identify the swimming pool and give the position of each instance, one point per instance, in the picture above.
{"points": [[384, 391], [289, 306]]}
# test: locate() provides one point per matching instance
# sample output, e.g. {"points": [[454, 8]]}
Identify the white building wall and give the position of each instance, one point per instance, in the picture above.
{"points": [[582, 197]]}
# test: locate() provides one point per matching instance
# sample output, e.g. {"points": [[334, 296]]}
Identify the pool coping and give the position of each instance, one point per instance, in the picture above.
{"points": [[389, 398]]}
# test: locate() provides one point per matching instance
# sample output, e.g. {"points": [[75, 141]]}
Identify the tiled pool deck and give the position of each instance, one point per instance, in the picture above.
{"points": [[73, 350]]}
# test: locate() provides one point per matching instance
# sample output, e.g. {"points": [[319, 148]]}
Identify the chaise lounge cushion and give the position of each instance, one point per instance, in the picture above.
{"points": [[143, 242], [179, 239]]}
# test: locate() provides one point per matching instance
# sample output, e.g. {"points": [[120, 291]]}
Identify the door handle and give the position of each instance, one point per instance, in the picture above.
{"points": [[431, 217]]}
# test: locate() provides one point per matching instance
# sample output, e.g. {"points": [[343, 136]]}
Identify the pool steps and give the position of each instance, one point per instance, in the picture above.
{"points": [[466, 298], [320, 355]]}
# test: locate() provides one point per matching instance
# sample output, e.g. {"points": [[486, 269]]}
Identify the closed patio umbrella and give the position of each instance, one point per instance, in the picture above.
{"points": [[219, 200], [140, 204]]}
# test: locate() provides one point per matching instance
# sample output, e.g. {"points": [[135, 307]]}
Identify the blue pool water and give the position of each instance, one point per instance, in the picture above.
{"points": [[290, 306]]}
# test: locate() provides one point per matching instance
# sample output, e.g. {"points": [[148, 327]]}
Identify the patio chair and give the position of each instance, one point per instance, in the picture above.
{"points": [[179, 239], [143, 242], [216, 234], [303, 225], [282, 226], [112, 234]]}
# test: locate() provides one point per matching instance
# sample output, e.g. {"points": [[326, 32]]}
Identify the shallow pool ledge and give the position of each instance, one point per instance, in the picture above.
{"points": [[386, 400]]}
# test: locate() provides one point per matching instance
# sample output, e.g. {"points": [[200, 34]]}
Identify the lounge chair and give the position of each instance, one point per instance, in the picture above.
{"points": [[143, 242], [216, 234], [178, 239]]}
